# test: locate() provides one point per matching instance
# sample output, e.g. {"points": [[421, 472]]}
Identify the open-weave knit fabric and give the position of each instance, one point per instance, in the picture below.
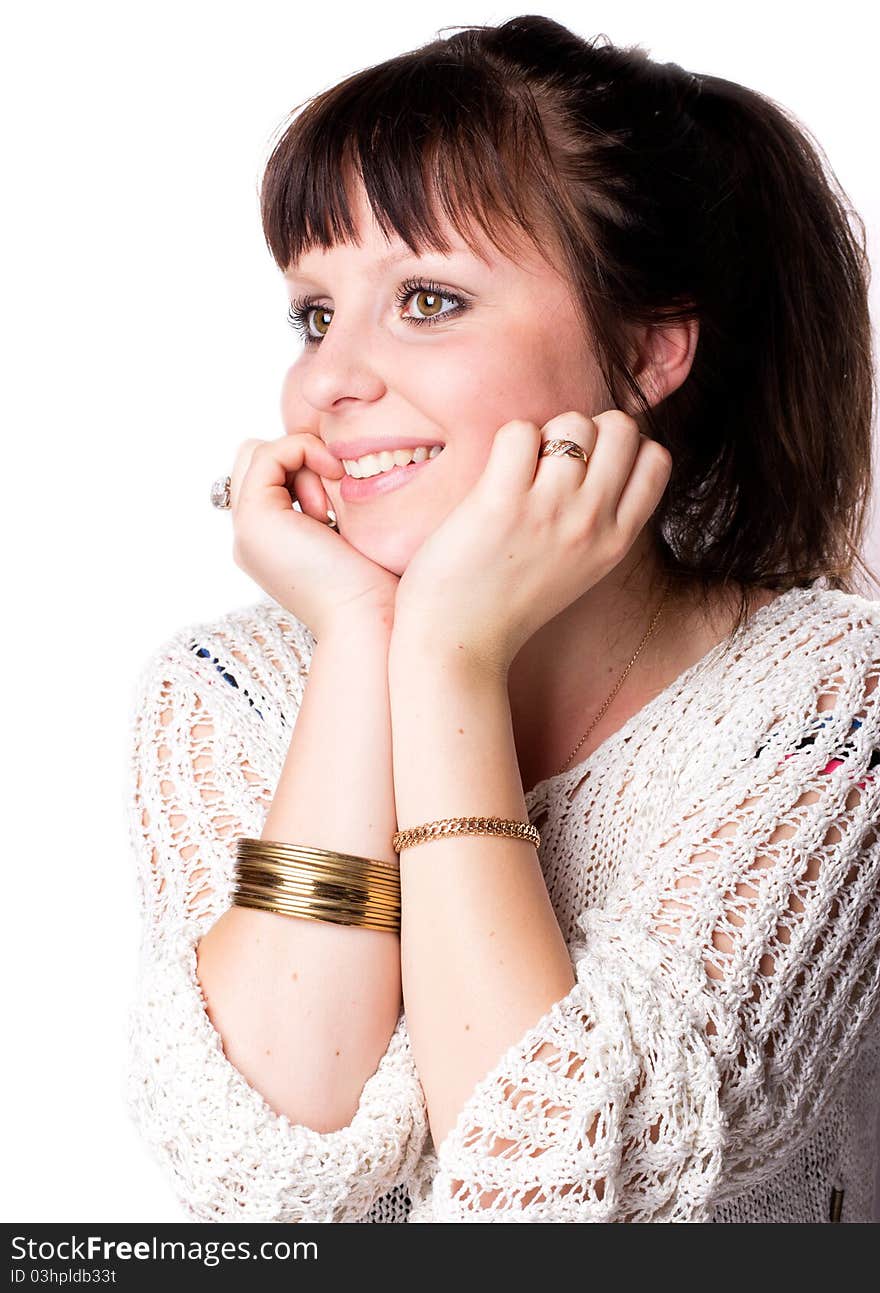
{"points": [[714, 866]]}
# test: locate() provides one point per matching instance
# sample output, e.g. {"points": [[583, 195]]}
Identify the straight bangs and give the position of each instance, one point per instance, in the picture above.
{"points": [[431, 140]]}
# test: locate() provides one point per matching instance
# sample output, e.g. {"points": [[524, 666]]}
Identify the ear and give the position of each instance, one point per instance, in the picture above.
{"points": [[661, 357]]}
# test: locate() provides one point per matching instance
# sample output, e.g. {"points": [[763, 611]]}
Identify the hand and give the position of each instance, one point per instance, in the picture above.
{"points": [[310, 570], [531, 537]]}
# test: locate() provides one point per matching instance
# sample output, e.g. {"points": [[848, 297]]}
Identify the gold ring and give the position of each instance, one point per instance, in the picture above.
{"points": [[563, 448]]}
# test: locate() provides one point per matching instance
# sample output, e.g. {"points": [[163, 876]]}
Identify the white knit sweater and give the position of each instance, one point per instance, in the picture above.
{"points": [[715, 869]]}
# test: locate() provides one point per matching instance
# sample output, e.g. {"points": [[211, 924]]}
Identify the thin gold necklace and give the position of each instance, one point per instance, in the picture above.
{"points": [[619, 682]]}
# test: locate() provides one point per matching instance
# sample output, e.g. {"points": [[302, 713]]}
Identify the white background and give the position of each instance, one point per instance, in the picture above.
{"points": [[144, 338]]}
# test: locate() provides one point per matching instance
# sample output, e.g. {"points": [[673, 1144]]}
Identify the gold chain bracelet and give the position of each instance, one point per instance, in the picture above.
{"points": [[465, 826]]}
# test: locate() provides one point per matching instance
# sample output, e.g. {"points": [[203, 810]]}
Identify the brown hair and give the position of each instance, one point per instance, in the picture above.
{"points": [[664, 196]]}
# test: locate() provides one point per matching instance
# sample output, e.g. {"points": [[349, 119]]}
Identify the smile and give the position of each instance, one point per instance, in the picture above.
{"points": [[352, 490]]}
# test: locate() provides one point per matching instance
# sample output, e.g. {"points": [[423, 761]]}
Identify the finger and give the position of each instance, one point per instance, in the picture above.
{"points": [[510, 468], [566, 426], [275, 460], [242, 462], [310, 493], [614, 454], [645, 487]]}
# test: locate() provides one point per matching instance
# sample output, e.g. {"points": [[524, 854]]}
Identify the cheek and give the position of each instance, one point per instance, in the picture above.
{"points": [[294, 409], [547, 371], [288, 387], [483, 389], [532, 374]]}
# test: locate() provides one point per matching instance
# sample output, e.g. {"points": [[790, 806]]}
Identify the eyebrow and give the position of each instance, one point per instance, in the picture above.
{"points": [[395, 258]]}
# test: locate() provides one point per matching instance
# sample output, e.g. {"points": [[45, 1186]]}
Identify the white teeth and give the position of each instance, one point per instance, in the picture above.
{"points": [[373, 464]]}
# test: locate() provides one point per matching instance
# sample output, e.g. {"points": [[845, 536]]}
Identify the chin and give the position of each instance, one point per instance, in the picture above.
{"points": [[391, 552]]}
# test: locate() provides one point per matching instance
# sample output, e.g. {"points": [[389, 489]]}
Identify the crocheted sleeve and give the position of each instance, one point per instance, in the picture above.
{"points": [[203, 772], [722, 989]]}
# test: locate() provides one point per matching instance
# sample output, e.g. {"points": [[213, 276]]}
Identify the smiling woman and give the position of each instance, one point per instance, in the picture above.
{"points": [[403, 959], [372, 382], [527, 141]]}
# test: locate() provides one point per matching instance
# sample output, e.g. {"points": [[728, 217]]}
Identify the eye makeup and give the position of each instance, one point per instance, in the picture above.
{"points": [[301, 308]]}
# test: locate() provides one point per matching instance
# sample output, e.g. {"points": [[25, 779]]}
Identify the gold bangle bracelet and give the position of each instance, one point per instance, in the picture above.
{"points": [[317, 884], [306, 881], [365, 919], [302, 879], [326, 872], [362, 912], [389, 884], [247, 846], [327, 895], [319, 901], [321, 894]]}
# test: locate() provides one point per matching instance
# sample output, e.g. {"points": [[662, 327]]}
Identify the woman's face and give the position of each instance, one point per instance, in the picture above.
{"points": [[514, 349]]}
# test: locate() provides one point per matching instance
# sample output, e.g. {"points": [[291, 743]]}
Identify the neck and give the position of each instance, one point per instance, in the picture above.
{"points": [[563, 675]]}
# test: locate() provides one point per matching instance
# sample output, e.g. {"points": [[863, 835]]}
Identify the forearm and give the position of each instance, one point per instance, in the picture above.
{"points": [[482, 954], [306, 1008]]}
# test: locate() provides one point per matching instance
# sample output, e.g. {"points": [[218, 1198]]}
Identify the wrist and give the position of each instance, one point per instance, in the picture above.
{"points": [[357, 627], [413, 650]]}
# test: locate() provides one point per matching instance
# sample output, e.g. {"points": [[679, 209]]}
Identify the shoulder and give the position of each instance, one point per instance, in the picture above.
{"points": [[850, 613], [792, 652], [252, 656], [804, 630], [829, 644], [800, 679], [811, 649]]}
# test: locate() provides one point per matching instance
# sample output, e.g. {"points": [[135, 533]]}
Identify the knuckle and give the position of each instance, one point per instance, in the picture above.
{"points": [[571, 418], [659, 460], [664, 455], [619, 420], [247, 448], [518, 424]]}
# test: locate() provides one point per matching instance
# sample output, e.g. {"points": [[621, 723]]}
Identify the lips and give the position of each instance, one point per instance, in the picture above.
{"points": [[358, 491]]}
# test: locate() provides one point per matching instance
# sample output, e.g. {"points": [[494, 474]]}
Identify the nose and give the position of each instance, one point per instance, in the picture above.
{"points": [[342, 367]]}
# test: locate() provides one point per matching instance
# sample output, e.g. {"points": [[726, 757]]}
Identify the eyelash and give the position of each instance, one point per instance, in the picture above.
{"points": [[300, 309]]}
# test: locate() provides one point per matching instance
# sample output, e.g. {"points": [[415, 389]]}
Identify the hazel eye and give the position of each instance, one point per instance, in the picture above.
{"points": [[298, 316], [322, 320], [431, 303], [429, 299], [428, 296]]}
